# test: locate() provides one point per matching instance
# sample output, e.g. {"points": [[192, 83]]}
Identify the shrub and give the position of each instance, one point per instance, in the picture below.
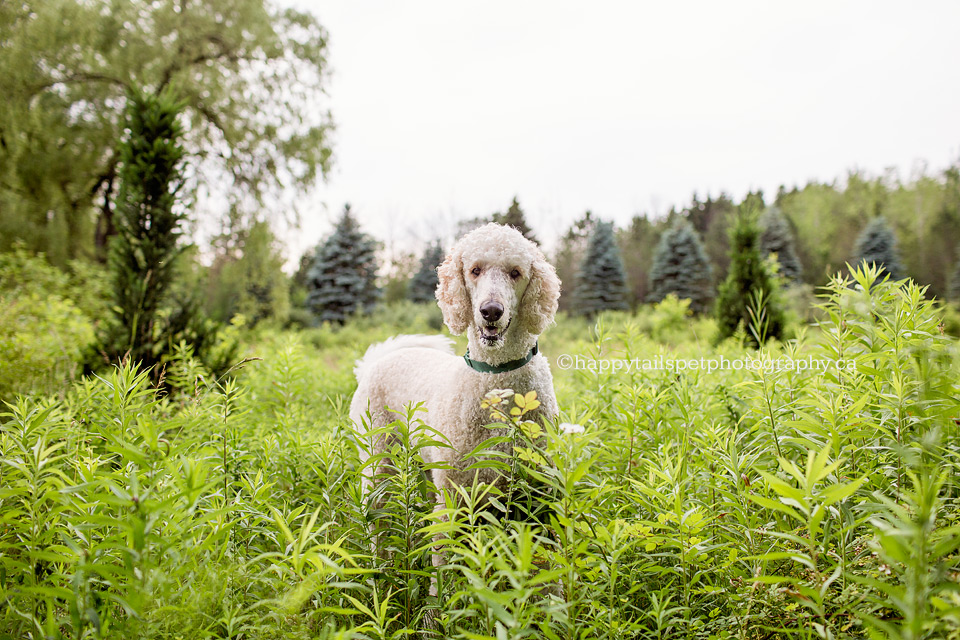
{"points": [[670, 318], [46, 336], [44, 340]]}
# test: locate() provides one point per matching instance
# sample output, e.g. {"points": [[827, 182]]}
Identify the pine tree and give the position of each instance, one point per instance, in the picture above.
{"points": [[514, 218], [681, 267], [143, 252], [601, 280], [341, 281], [777, 238], [423, 285], [877, 245], [749, 295]]}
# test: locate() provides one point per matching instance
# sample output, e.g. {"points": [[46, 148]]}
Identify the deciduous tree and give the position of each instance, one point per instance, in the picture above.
{"points": [[955, 279], [251, 77]]}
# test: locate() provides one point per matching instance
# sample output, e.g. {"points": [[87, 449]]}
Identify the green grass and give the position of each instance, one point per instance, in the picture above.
{"points": [[732, 504]]}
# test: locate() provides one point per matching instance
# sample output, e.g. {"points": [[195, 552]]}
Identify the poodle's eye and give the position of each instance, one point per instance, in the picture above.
{"points": [[515, 274], [475, 271]]}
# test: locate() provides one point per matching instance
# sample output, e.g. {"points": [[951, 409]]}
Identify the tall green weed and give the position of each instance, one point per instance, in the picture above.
{"points": [[744, 503]]}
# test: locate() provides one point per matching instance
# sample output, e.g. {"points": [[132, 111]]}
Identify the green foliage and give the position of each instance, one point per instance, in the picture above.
{"points": [[680, 267], [876, 245], [44, 340], [155, 307], [738, 503], [144, 251], [48, 319], [749, 297], [251, 284], [601, 283], [920, 550], [423, 285], [342, 278], [70, 66], [924, 211], [669, 319], [777, 239]]}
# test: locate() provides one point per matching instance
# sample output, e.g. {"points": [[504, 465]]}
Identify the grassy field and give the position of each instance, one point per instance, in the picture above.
{"points": [[743, 503]]}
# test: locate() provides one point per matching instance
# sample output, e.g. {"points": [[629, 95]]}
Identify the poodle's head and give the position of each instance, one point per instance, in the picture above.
{"points": [[496, 281]]}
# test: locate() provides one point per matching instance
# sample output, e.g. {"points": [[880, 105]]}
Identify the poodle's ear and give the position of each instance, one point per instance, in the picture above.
{"points": [[452, 294], [540, 300]]}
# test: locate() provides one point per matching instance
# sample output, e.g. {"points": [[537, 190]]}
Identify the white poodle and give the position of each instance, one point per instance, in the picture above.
{"points": [[497, 286]]}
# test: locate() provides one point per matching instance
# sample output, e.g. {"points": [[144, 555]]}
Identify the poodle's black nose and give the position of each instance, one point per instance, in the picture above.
{"points": [[491, 311]]}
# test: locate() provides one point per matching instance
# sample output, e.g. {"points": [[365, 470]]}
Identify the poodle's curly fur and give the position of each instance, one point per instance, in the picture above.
{"points": [[493, 265]]}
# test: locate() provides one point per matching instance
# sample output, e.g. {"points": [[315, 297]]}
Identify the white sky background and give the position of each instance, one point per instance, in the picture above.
{"points": [[446, 110]]}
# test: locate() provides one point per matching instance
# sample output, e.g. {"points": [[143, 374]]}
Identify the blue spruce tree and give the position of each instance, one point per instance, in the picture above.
{"points": [[877, 245], [601, 280], [341, 281], [681, 267], [423, 285], [777, 238]]}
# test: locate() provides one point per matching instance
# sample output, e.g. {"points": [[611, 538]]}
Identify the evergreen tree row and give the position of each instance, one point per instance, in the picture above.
{"points": [[605, 269]]}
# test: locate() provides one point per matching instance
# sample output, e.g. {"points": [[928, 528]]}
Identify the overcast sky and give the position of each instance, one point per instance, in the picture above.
{"points": [[446, 110]]}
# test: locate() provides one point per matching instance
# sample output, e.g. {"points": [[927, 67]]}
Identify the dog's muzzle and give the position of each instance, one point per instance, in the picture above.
{"points": [[491, 333]]}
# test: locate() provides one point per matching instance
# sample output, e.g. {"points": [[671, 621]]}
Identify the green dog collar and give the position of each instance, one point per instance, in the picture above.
{"points": [[483, 367]]}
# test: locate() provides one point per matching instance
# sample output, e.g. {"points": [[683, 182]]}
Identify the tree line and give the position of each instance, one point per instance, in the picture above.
{"points": [[715, 252]]}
